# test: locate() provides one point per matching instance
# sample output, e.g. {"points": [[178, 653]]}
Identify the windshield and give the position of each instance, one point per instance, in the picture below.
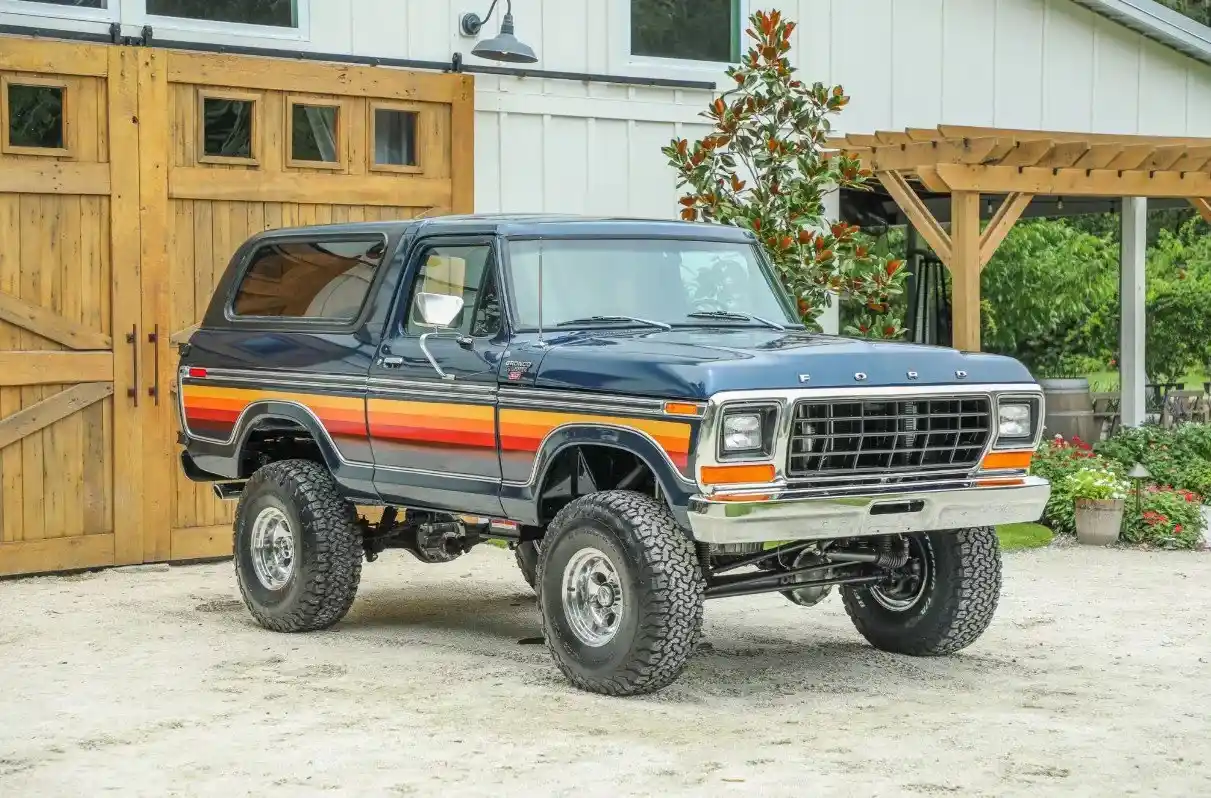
{"points": [[653, 280]]}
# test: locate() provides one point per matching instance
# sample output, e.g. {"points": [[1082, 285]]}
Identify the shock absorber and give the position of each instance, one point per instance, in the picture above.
{"points": [[704, 556], [889, 559]]}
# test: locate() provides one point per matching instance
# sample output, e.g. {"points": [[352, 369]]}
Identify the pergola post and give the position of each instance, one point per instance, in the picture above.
{"points": [[1131, 298], [965, 269]]}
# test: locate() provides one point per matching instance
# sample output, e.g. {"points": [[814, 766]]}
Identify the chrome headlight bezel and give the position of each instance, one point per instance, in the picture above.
{"points": [[763, 449], [1023, 436]]}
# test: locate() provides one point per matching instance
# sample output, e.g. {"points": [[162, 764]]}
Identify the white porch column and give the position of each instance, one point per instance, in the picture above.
{"points": [[1131, 297], [830, 320]]}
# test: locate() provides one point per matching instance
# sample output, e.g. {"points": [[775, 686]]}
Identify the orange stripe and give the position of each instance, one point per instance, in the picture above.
{"points": [[432, 411], [409, 420]]}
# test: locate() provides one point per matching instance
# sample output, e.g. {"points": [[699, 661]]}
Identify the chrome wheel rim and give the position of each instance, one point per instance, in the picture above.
{"points": [[272, 548], [593, 602], [905, 592]]}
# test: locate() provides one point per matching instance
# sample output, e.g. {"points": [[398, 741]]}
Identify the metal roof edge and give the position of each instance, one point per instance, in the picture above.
{"points": [[1159, 23]]}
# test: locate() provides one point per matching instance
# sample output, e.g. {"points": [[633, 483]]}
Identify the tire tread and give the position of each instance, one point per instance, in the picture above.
{"points": [[334, 573]]}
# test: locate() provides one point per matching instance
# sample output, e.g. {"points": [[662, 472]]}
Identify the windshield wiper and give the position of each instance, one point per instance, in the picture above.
{"points": [[729, 314], [614, 319]]}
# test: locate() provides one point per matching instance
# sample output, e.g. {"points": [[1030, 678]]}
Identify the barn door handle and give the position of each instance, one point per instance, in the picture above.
{"points": [[132, 338], [153, 338]]}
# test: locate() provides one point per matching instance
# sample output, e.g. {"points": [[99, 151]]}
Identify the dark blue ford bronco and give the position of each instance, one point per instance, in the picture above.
{"points": [[632, 404]]}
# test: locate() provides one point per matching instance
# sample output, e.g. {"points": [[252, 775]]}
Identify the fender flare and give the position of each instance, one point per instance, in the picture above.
{"points": [[675, 486], [264, 410]]}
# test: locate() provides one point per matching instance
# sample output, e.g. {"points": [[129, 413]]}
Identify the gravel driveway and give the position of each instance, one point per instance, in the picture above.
{"points": [[1095, 679]]}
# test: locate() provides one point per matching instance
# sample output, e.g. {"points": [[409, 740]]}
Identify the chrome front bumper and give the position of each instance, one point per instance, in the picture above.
{"points": [[789, 517]]}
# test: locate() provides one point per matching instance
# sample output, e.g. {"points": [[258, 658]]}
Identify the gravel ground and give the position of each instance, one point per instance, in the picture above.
{"points": [[1095, 679]]}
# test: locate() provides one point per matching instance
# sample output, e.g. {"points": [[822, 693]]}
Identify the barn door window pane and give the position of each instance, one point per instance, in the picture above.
{"points": [[687, 30], [274, 13], [395, 138], [313, 133], [228, 128], [35, 117]]}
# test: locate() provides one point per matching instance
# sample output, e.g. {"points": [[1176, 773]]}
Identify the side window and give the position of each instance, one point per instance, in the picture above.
{"points": [[464, 271], [310, 279]]}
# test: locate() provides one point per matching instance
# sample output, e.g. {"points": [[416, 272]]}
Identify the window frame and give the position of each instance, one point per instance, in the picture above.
{"points": [[307, 323], [112, 12], [398, 328], [626, 62], [135, 13], [372, 107], [6, 146], [341, 163], [255, 134]]}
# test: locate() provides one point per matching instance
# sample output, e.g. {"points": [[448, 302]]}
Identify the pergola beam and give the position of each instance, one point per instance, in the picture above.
{"points": [[1002, 222], [1203, 206], [917, 213], [1067, 182]]}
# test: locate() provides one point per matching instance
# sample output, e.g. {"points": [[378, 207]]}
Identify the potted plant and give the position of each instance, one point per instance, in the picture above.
{"points": [[1098, 494]]}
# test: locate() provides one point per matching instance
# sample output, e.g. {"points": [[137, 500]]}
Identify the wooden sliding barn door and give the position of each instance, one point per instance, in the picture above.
{"points": [[258, 144], [71, 453], [127, 181]]}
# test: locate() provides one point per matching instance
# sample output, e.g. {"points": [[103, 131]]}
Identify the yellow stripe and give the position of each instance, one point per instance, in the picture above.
{"points": [[250, 395], [664, 430], [432, 410]]}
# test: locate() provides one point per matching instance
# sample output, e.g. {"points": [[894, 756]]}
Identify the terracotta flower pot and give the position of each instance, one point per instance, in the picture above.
{"points": [[1098, 521]]}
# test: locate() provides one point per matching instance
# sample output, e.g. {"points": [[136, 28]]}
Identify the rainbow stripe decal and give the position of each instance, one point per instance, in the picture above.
{"points": [[524, 431], [437, 424], [212, 411]]}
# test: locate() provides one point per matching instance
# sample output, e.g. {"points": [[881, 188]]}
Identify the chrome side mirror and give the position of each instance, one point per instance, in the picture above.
{"points": [[438, 310]]}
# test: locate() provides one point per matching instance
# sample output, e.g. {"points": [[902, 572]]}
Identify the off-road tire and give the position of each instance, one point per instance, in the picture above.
{"points": [[526, 555], [960, 598], [662, 586], [327, 546]]}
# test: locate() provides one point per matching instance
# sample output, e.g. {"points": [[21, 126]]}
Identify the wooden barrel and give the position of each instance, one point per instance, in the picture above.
{"points": [[1069, 410]]}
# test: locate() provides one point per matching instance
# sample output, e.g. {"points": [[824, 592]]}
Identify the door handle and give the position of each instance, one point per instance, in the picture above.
{"points": [[132, 338], [153, 338], [391, 361]]}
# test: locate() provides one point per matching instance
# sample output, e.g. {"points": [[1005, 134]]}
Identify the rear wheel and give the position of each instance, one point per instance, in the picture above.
{"points": [[621, 593], [298, 551], [940, 602]]}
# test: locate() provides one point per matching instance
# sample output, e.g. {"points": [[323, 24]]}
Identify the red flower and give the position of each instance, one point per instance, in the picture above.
{"points": [[1177, 530]]}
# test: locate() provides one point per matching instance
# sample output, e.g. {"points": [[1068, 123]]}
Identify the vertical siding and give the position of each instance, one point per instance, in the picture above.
{"points": [[969, 38]]}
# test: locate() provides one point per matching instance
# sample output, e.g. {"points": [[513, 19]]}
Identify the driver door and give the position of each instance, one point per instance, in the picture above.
{"points": [[431, 407]]}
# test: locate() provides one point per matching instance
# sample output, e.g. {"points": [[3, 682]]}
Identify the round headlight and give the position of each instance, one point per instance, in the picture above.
{"points": [[742, 432]]}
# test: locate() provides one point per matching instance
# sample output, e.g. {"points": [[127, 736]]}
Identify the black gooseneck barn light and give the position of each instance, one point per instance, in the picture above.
{"points": [[504, 46]]}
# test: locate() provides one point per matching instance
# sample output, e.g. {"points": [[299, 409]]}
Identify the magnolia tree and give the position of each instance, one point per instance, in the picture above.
{"points": [[766, 166]]}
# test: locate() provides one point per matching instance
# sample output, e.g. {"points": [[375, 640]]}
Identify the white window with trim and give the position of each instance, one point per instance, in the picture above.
{"points": [[669, 38], [284, 19]]}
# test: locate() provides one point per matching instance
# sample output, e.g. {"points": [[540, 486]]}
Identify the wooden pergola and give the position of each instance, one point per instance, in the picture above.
{"points": [[965, 162]]}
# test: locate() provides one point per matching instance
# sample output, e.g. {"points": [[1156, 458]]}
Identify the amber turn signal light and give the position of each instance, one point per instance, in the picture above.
{"points": [[738, 474], [999, 461], [681, 408]]}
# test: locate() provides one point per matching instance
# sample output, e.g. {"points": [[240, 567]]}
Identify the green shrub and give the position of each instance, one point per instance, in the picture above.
{"points": [[1178, 457], [1096, 482], [1167, 518], [1057, 460]]}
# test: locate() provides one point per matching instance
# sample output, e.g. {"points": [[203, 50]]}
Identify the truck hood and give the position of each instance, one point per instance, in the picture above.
{"points": [[699, 362]]}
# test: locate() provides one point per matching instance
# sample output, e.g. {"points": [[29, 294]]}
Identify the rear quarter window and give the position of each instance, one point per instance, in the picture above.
{"points": [[325, 279]]}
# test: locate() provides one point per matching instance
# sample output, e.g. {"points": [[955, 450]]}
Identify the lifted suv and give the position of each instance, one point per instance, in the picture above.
{"points": [[632, 404]]}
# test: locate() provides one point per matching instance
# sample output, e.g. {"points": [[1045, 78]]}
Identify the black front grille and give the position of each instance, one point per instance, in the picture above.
{"points": [[881, 436]]}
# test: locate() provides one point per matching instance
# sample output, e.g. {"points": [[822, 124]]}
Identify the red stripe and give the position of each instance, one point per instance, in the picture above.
{"points": [[515, 443], [211, 414], [351, 428], [430, 435]]}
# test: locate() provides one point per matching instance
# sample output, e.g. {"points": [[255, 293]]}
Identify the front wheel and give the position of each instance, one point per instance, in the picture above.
{"points": [[940, 602], [621, 593]]}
